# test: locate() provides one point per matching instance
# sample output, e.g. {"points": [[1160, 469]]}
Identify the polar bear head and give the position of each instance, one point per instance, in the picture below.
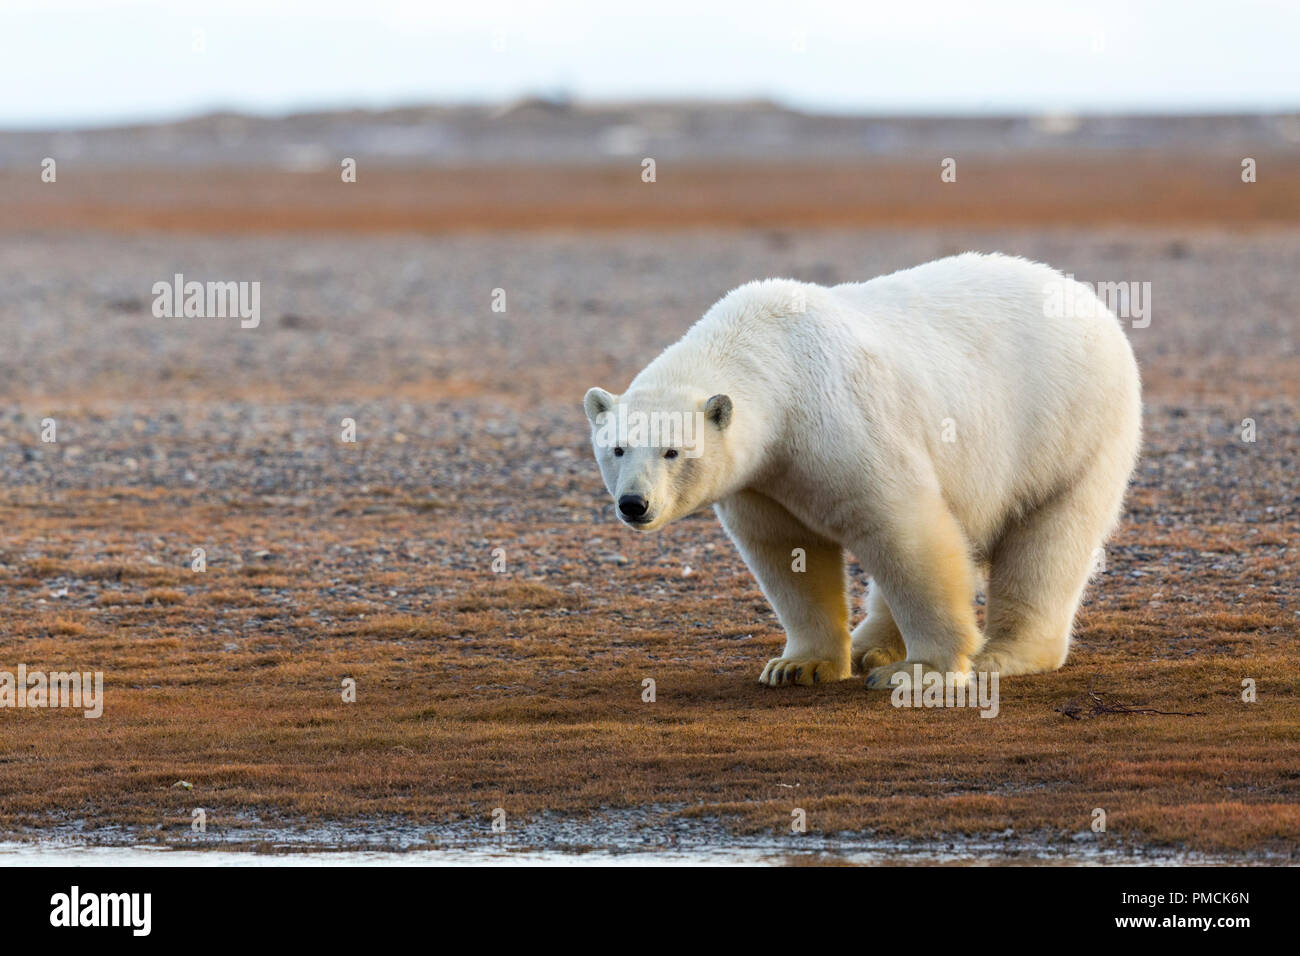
{"points": [[663, 453]]}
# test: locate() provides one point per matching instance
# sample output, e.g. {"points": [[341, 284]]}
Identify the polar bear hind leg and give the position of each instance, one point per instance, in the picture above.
{"points": [[1040, 568]]}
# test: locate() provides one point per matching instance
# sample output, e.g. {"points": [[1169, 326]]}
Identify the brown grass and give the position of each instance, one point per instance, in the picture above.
{"points": [[523, 689], [505, 693], [1100, 189]]}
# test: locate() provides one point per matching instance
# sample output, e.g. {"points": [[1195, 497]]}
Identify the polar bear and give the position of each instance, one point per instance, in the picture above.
{"points": [[950, 425]]}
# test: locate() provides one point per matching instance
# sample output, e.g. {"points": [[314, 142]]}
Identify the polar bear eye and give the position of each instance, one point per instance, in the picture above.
{"points": [[671, 453], [618, 452]]}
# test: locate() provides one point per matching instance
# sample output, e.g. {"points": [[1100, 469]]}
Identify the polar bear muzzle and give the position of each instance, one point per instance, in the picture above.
{"points": [[633, 508]]}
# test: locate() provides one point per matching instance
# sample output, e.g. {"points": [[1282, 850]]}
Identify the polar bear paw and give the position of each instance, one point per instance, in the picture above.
{"points": [[1007, 663], [783, 671], [882, 678], [872, 657]]}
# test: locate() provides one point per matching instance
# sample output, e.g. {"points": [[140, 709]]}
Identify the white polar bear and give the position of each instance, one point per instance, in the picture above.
{"points": [[942, 422]]}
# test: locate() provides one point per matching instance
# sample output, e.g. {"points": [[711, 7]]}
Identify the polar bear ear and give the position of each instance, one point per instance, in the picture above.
{"points": [[597, 402], [718, 410]]}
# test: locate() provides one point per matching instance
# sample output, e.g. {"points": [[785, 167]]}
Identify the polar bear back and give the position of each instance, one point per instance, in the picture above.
{"points": [[1031, 395], [955, 373]]}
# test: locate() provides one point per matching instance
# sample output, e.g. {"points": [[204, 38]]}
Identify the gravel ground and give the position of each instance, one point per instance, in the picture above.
{"points": [[181, 433]]}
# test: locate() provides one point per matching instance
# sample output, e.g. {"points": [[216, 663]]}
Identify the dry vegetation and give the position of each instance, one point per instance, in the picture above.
{"points": [[523, 689], [996, 190]]}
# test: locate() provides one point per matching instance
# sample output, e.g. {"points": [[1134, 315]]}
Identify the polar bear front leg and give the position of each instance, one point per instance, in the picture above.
{"points": [[802, 575], [877, 640], [922, 564]]}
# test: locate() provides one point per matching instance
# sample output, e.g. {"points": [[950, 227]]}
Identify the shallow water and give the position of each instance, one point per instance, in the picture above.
{"points": [[57, 853], [654, 835], [45, 854]]}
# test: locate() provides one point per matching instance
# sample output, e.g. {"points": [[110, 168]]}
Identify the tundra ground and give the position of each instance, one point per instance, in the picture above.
{"points": [[522, 689]]}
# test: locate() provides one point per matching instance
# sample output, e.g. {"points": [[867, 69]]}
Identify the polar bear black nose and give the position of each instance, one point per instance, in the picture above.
{"points": [[632, 506]]}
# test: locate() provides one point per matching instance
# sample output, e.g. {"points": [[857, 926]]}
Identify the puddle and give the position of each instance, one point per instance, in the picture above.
{"points": [[646, 836], [65, 854], [53, 854]]}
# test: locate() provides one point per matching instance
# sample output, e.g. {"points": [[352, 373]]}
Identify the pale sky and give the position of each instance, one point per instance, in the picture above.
{"points": [[66, 62]]}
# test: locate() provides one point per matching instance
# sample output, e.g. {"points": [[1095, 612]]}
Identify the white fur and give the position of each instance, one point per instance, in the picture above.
{"points": [[841, 401]]}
